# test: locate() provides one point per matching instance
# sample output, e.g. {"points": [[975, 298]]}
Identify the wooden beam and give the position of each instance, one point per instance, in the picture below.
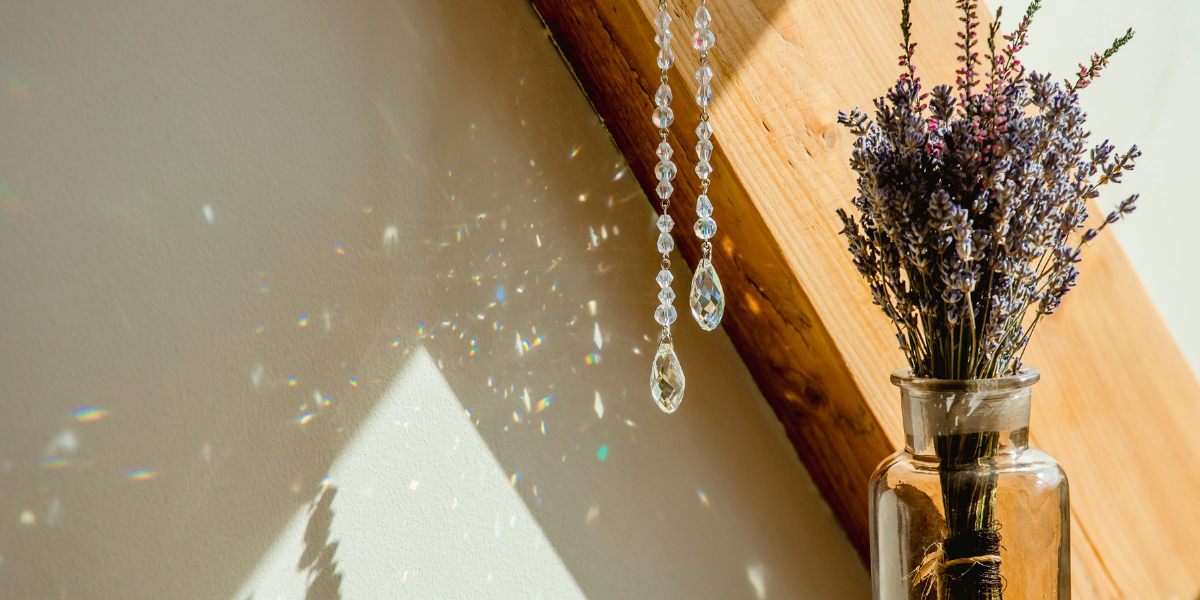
{"points": [[1117, 398]]}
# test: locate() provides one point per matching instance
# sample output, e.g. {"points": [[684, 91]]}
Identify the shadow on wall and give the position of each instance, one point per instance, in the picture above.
{"points": [[319, 560], [267, 264]]}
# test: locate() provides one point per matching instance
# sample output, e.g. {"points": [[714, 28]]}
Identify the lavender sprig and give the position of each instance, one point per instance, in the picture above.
{"points": [[972, 208]]}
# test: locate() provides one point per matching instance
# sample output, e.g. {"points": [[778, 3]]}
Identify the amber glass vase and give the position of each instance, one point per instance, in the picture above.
{"points": [[968, 510]]}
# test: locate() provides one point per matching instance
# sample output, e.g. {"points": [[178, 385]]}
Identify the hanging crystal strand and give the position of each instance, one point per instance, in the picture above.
{"points": [[666, 376], [707, 299]]}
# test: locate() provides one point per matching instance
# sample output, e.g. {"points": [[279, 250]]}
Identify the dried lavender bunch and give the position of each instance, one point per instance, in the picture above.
{"points": [[972, 200], [972, 211]]}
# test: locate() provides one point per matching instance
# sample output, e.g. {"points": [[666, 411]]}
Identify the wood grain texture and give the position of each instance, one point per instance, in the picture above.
{"points": [[1117, 397]]}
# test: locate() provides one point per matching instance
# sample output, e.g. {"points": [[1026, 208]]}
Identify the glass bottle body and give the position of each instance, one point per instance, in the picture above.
{"points": [[967, 455]]}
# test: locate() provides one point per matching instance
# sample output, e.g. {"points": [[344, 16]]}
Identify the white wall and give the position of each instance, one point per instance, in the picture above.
{"points": [[1146, 96], [282, 241]]}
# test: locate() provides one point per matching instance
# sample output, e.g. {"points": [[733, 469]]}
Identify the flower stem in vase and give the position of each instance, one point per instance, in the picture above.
{"points": [[970, 568]]}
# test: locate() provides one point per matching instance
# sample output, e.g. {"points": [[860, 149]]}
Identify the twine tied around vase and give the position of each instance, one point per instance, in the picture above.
{"points": [[934, 565]]}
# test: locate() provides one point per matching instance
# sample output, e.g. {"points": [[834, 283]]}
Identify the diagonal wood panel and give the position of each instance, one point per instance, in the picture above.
{"points": [[1116, 397]]}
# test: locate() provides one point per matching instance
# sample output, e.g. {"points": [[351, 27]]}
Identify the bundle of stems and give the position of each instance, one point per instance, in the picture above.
{"points": [[971, 218]]}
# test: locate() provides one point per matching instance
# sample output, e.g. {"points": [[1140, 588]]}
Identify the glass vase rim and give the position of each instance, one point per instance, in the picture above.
{"points": [[1025, 378]]}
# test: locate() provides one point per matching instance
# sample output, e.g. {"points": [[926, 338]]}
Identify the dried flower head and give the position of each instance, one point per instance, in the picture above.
{"points": [[972, 200]]}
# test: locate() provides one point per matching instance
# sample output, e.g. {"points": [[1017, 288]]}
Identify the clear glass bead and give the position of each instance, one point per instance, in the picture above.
{"points": [[662, 20], [704, 130], [703, 169], [665, 314], [665, 170], [704, 95], [703, 39], [666, 295], [663, 38], [663, 117], [666, 379], [665, 243], [704, 150], [707, 299], [703, 18], [664, 278], [665, 223], [663, 96], [705, 228], [703, 206], [664, 151], [704, 74], [664, 189], [666, 58]]}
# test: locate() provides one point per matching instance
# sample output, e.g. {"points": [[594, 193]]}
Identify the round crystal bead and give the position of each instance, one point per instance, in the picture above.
{"points": [[663, 97], [665, 58], [703, 39], [666, 295], [704, 74], [665, 223], [704, 130], [703, 18], [665, 170], [664, 151], [665, 243], [664, 189], [704, 95], [665, 314], [663, 117], [703, 169], [703, 206], [664, 278], [705, 228], [704, 150], [663, 38]]}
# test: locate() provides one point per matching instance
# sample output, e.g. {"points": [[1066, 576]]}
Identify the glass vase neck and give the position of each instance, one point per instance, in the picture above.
{"points": [[934, 408]]}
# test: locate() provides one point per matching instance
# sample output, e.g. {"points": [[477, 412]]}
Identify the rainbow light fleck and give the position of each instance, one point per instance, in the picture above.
{"points": [[592, 358], [326, 481], [292, 380], [305, 418], [259, 328], [302, 321], [353, 382], [57, 462], [543, 403], [602, 452], [515, 478], [140, 474], [88, 414]]}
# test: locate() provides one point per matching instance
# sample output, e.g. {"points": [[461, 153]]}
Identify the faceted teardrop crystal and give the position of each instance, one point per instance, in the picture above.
{"points": [[666, 379], [707, 298], [663, 117], [703, 39], [703, 18], [703, 169], [665, 243], [704, 206], [704, 74], [704, 95], [663, 96], [665, 223], [704, 130], [704, 150]]}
